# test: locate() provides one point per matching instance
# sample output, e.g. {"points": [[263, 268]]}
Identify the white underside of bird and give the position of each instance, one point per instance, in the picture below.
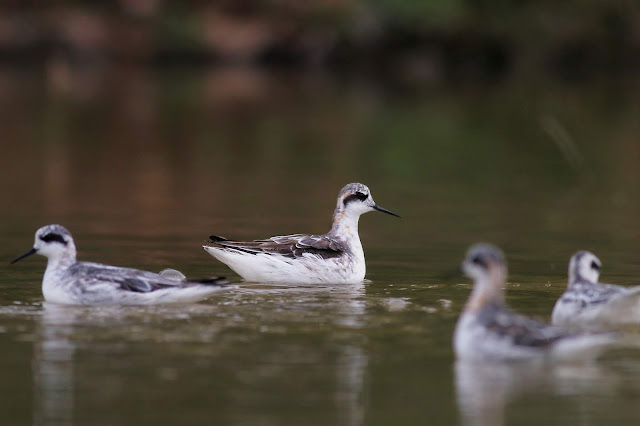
{"points": [[306, 269]]}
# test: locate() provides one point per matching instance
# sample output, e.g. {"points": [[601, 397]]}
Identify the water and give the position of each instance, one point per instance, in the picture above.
{"points": [[143, 166]]}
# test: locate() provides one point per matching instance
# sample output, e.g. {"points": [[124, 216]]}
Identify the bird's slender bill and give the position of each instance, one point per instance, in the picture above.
{"points": [[27, 254], [383, 210]]}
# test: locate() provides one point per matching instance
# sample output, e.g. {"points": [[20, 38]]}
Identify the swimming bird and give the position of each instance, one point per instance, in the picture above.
{"points": [[487, 329], [332, 258], [67, 281], [586, 302]]}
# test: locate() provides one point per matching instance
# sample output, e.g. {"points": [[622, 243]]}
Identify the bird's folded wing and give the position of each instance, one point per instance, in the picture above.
{"points": [[525, 331], [133, 279], [291, 246]]}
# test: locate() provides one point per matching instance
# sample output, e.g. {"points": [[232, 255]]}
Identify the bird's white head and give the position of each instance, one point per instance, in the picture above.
{"points": [[355, 199], [486, 265], [54, 242], [584, 266]]}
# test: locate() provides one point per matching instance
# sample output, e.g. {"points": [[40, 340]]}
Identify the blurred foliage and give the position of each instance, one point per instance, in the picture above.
{"points": [[428, 39]]}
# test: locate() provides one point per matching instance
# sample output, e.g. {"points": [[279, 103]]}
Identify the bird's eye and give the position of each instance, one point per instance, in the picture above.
{"points": [[53, 237], [477, 260], [361, 196], [595, 265]]}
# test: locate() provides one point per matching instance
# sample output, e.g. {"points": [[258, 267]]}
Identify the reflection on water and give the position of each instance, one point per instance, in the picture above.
{"points": [[352, 358], [485, 391], [59, 372], [53, 373], [350, 389]]}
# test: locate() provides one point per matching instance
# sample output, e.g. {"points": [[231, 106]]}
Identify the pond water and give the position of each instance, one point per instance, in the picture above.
{"points": [[142, 166]]}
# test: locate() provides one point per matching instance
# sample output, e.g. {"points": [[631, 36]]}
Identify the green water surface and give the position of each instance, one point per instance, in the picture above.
{"points": [[141, 167]]}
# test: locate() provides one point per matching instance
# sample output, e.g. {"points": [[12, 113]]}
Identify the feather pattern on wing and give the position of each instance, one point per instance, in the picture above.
{"points": [[290, 246], [521, 330], [133, 280], [584, 293]]}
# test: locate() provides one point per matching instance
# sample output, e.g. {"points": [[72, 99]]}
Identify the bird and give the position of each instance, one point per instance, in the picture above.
{"points": [[588, 303], [488, 330], [69, 282], [336, 257]]}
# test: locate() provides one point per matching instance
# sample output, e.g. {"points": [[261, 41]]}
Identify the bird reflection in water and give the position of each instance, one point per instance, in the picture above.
{"points": [[53, 372], [485, 390]]}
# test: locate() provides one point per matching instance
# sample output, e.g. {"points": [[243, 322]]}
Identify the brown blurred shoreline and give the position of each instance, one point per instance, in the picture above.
{"points": [[469, 40]]}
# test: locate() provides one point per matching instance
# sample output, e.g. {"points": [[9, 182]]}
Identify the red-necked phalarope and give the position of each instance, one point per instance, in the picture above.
{"points": [[588, 302], [488, 330], [333, 258], [67, 281]]}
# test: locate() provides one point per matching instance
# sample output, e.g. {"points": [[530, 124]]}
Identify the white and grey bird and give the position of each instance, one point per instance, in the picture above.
{"points": [[67, 281], [588, 303], [487, 329], [336, 257]]}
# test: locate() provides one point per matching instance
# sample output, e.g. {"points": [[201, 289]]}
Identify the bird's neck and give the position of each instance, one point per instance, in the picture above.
{"points": [[62, 260], [576, 278], [485, 292], [345, 226]]}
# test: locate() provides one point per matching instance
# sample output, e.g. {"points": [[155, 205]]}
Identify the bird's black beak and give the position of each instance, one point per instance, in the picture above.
{"points": [[27, 254], [383, 210]]}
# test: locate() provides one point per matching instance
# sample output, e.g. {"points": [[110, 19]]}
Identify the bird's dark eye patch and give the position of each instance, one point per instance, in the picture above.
{"points": [[477, 260], [595, 266], [361, 196], [53, 237]]}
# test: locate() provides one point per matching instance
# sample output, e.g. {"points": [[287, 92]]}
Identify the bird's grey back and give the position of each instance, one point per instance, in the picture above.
{"points": [[88, 274], [585, 293], [522, 331]]}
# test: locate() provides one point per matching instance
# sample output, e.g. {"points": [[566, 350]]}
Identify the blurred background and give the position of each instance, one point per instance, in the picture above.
{"points": [[119, 109], [146, 125], [422, 39]]}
